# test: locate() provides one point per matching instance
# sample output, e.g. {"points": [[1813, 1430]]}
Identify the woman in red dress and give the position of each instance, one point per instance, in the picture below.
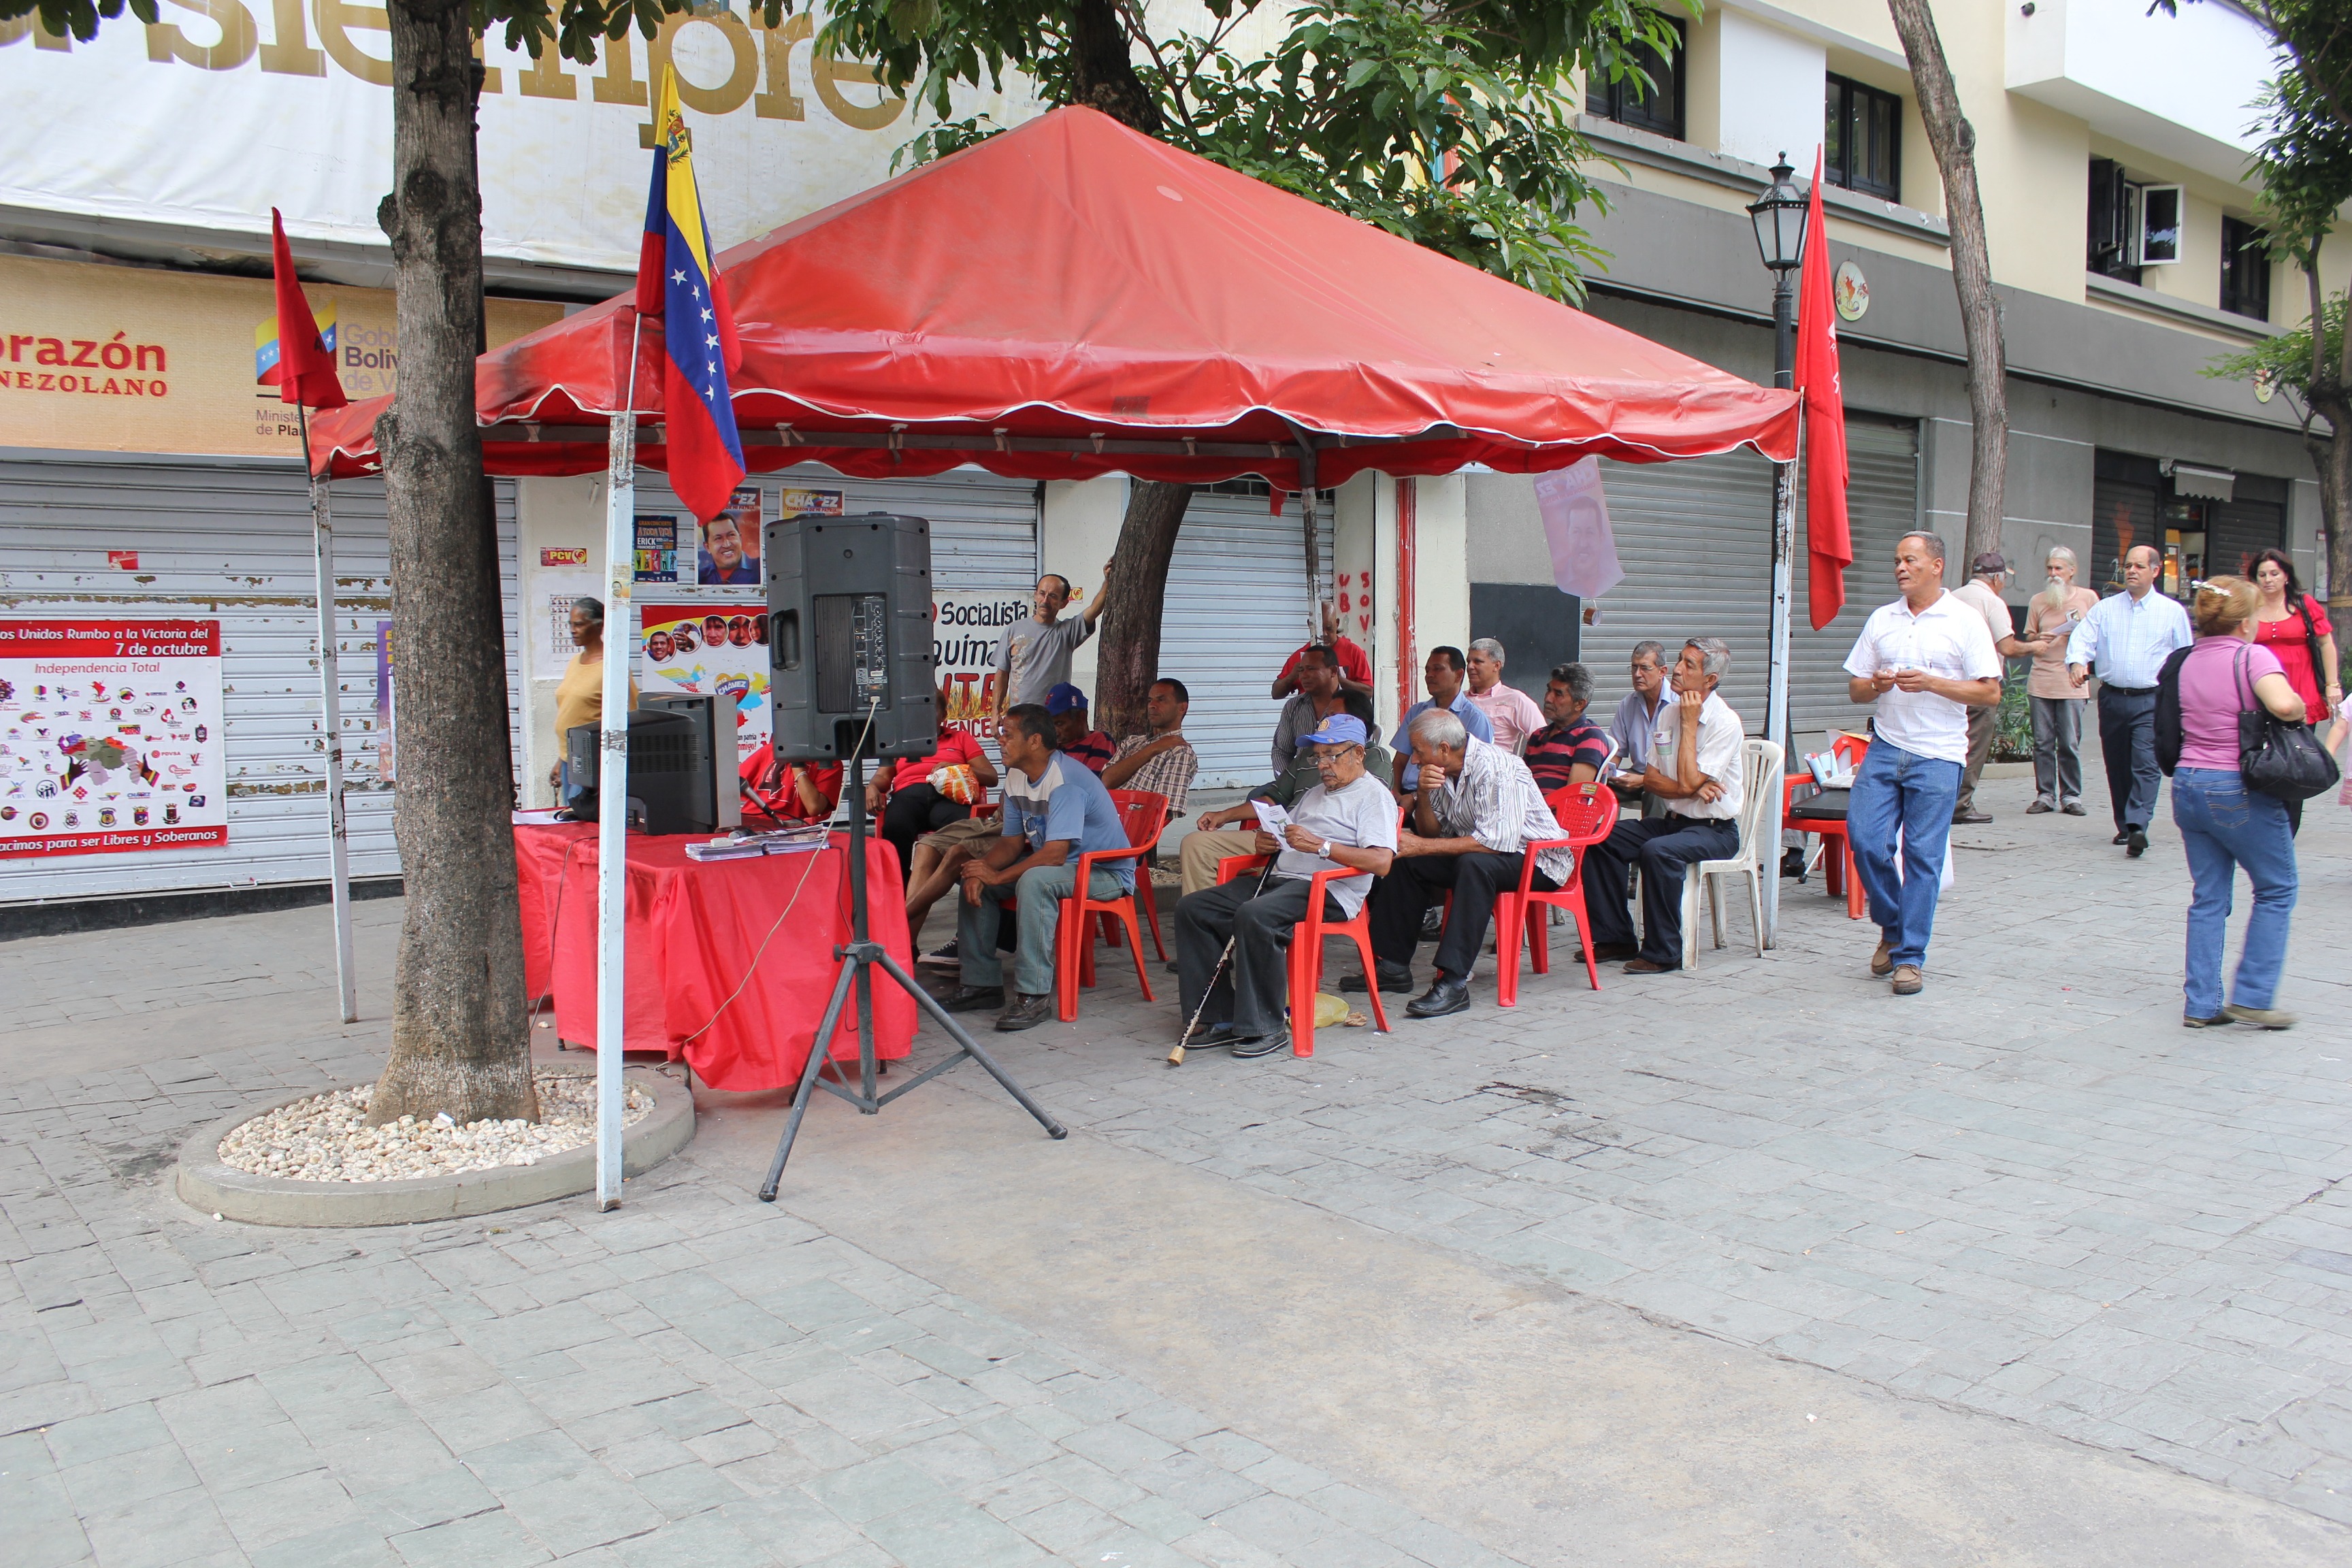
{"points": [[2292, 625]]}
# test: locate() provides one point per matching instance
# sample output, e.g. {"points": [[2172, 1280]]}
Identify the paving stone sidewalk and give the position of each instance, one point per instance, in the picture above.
{"points": [[2028, 1192]]}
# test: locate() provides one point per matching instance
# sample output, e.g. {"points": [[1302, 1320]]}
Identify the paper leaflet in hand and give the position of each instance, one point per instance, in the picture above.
{"points": [[1271, 817], [1576, 524]]}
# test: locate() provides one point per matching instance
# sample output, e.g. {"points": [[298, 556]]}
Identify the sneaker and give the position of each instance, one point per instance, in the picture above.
{"points": [[942, 957], [2073, 808], [1908, 980], [1882, 963], [1264, 1045], [2259, 1017], [2040, 808]]}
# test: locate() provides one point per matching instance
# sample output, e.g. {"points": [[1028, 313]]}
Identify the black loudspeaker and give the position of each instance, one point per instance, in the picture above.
{"points": [[849, 637]]}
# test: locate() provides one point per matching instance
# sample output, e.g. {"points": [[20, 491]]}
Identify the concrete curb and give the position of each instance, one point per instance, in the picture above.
{"points": [[205, 1184]]}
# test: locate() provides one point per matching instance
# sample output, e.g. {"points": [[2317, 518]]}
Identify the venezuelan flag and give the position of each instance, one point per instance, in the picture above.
{"points": [[678, 283]]}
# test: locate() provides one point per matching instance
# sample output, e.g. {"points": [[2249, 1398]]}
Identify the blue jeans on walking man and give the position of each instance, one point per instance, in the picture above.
{"points": [[1899, 789], [2223, 825]]}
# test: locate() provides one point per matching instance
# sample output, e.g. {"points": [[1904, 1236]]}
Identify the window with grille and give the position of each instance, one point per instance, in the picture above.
{"points": [[2245, 270], [1862, 139], [1660, 108]]}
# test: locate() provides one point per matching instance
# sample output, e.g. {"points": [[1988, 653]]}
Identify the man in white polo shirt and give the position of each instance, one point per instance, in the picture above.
{"points": [[1924, 660]]}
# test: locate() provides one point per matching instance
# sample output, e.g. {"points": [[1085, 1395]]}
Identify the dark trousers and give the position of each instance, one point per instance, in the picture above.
{"points": [[1414, 882], [912, 812], [1664, 849], [1984, 727], [2127, 739], [1250, 994]]}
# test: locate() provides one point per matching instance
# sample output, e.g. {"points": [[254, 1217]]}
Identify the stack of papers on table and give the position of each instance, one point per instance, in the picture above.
{"points": [[744, 843]]}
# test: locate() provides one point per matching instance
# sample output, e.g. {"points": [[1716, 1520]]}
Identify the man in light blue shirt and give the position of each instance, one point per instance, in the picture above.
{"points": [[1056, 810], [2130, 635], [1443, 675]]}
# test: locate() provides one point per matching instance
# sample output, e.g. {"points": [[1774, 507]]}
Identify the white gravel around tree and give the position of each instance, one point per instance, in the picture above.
{"points": [[326, 1138]]}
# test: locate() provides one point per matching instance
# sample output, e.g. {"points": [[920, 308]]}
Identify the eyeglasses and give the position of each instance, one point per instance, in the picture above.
{"points": [[1333, 759]]}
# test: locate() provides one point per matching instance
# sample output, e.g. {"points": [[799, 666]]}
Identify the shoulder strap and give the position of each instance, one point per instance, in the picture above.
{"points": [[2238, 671]]}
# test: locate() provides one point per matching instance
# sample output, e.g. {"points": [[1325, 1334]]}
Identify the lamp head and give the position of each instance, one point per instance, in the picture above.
{"points": [[1779, 218]]}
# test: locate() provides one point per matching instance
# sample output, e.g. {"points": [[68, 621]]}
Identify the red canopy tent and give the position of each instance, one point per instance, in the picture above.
{"points": [[1071, 299]]}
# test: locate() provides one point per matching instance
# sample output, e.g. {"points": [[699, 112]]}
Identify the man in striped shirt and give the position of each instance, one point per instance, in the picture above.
{"points": [[1569, 748], [1074, 737]]}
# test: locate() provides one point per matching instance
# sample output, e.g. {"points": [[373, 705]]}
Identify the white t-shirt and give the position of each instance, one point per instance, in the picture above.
{"points": [[1720, 737], [1949, 638]]}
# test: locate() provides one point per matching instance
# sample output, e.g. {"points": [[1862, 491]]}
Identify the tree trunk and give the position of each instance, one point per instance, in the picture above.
{"points": [[459, 1040], [1128, 660], [1954, 140], [2331, 458], [1102, 69]]}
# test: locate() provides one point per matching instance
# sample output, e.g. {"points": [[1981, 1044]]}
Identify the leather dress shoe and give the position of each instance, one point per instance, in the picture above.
{"points": [[1444, 996], [1644, 966], [2040, 808], [2073, 808], [1970, 819], [2136, 845], [1264, 1045], [1393, 977], [1882, 963], [973, 998], [1024, 1012], [2122, 837], [1609, 952]]}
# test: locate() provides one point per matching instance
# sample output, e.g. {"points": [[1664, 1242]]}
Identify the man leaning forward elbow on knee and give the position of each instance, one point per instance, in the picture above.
{"points": [[1054, 811], [1346, 821], [1475, 807], [1695, 772], [1924, 660]]}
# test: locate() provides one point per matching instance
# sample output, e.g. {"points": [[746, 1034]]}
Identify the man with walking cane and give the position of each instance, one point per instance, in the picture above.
{"points": [[1231, 941]]}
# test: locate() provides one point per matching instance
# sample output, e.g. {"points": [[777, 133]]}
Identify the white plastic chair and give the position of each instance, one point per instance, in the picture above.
{"points": [[1760, 766]]}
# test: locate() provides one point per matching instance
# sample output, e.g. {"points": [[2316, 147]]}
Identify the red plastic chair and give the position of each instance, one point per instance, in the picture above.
{"points": [[1587, 813], [1132, 804], [1837, 849], [1304, 967], [1143, 815]]}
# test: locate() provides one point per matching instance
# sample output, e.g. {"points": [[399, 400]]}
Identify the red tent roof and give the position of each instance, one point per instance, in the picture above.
{"points": [[1072, 298]]}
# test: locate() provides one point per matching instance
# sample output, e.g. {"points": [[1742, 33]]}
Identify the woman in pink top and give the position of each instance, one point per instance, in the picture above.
{"points": [[2223, 825]]}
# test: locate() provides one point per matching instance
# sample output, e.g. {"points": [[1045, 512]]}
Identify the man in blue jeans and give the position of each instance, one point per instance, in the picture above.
{"points": [[1924, 661]]}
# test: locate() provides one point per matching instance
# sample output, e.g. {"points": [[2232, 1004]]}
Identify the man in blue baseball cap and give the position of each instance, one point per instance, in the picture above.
{"points": [[1074, 737], [1348, 821]]}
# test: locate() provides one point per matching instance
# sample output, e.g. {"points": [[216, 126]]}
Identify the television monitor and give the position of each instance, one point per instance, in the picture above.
{"points": [[670, 766]]}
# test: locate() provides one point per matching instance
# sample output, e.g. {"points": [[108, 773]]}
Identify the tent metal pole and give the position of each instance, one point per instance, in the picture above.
{"points": [[612, 785], [330, 725], [1776, 696]]}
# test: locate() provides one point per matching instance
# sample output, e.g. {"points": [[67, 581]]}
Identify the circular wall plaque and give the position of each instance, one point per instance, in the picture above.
{"points": [[1852, 291]]}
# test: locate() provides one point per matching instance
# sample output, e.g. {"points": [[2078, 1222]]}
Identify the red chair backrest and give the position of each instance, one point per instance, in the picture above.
{"points": [[1587, 812], [1143, 814]]}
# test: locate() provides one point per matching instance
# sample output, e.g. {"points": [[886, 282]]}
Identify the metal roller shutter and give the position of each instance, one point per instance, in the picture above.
{"points": [[1696, 540], [2240, 528], [232, 544], [2124, 493], [1882, 503], [1236, 606]]}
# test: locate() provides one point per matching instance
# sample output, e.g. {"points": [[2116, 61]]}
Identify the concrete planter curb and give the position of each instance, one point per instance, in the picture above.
{"points": [[205, 1183]]}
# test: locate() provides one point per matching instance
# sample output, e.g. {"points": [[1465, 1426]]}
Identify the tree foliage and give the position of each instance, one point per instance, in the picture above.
{"points": [[1450, 126]]}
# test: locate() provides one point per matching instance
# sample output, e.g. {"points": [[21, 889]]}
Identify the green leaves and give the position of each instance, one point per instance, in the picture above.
{"points": [[1447, 124]]}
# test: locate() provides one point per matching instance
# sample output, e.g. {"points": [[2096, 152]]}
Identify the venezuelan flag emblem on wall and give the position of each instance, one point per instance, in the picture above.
{"points": [[678, 283]]}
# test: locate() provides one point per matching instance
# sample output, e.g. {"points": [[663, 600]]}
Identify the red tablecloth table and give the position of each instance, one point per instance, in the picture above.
{"points": [[694, 930]]}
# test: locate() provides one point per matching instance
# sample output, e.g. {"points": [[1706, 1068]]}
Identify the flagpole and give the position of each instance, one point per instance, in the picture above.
{"points": [[1775, 694], [339, 858], [613, 783]]}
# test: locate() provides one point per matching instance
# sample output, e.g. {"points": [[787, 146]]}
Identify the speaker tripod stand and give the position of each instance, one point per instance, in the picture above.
{"points": [[859, 959]]}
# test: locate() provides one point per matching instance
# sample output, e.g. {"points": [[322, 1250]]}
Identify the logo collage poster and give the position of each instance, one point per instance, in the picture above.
{"points": [[110, 736]]}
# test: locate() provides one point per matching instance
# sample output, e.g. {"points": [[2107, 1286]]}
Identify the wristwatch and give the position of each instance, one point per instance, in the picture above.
{"points": [[1327, 849]]}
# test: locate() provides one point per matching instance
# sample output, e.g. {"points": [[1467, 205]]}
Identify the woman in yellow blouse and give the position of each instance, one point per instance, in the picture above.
{"points": [[580, 697]]}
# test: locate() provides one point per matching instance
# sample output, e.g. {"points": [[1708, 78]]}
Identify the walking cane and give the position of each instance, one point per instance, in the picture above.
{"points": [[1176, 1056]]}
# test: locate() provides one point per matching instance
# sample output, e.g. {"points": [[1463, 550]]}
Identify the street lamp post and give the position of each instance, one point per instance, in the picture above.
{"points": [[1779, 216]]}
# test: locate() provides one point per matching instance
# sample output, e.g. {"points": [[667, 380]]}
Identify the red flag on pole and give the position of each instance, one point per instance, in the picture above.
{"points": [[1829, 544], [300, 365]]}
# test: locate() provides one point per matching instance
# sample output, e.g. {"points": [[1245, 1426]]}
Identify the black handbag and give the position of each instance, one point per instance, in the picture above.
{"points": [[2278, 758]]}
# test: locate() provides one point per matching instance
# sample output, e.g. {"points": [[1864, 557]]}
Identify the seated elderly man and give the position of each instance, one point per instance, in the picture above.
{"points": [[1054, 811], [1346, 820], [1475, 809], [1695, 769]]}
